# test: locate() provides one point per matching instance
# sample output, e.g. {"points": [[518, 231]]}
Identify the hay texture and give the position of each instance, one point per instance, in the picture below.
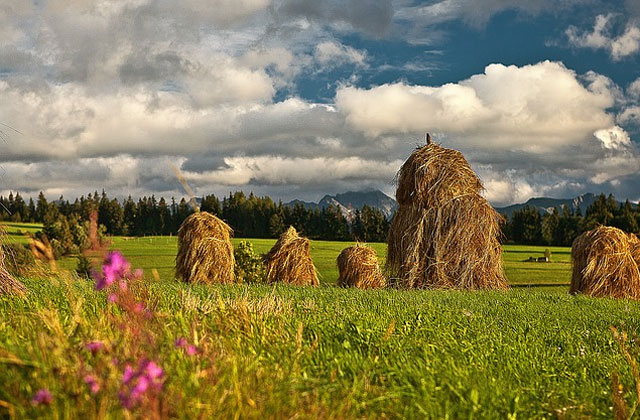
{"points": [[358, 267], [289, 261], [604, 264], [444, 233], [9, 285], [635, 248], [205, 252]]}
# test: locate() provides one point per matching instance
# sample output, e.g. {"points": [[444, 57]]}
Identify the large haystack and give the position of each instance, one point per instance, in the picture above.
{"points": [[444, 233], [358, 267], [604, 264], [8, 284], [205, 252], [289, 261]]}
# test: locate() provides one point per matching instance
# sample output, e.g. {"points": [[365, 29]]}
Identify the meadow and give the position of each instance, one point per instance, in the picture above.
{"points": [[295, 352]]}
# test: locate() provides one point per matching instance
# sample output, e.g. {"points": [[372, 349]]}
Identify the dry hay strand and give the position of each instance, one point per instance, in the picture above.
{"points": [[434, 175], [454, 246], [635, 248], [43, 251], [604, 264], [289, 261], [205, 252], [9, 285], [358, 267]]}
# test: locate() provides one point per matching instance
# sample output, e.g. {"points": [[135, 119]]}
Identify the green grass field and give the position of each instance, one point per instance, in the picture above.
{"points": [[306, 353], [159, 252]]}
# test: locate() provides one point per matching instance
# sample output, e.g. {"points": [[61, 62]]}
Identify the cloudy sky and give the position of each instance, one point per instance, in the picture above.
{"points": [[298, 98]]}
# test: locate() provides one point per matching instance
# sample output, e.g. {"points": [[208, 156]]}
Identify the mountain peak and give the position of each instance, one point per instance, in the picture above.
{"points": [[350, 201]]}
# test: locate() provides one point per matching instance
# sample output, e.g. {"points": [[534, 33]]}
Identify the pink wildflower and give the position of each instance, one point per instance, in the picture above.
{"points": [[115, 267], [112, 298], [92, 381], [136, 383], [43, 396], [94, 346], [181, 342]]}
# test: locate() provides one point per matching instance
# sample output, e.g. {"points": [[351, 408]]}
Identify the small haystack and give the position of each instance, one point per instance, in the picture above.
{"points": [[604, 264], [289, 261], [444, 233], [358, 267], [8, 284], [205, 252]]}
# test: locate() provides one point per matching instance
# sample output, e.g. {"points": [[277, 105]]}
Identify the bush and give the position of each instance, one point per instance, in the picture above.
{"points": [[83, 269], [18, 259], [249, 267]]}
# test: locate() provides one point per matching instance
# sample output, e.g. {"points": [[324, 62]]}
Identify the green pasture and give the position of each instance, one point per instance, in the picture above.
{"points": [[273, 352], [159, 252]]}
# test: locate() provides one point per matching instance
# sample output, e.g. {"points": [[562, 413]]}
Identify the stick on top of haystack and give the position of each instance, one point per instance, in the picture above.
{"points": [[606, 264], [289, 260], [444, 233], [358, 267], [434, 175]]}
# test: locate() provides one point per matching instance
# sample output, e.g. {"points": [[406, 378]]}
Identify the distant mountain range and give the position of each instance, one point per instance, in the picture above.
{"points": [[354, 200], [546, 205]]}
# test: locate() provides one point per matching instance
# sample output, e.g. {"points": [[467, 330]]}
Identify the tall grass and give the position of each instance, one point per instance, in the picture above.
{"points": [[288, 352]]}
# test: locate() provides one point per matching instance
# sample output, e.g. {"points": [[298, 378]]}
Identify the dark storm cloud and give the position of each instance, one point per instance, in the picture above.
{"points": [[370, 16]]}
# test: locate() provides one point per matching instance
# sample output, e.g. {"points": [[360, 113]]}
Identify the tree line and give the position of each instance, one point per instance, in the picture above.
{"points": [[561, 227], [250, 217], [260, 217]]}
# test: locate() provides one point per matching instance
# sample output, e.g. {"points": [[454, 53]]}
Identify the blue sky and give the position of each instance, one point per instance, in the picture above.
{"points": [[296, 98]]}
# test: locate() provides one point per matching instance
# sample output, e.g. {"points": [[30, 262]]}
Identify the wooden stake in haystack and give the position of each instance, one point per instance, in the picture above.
{"points": [[205, 252], [444, 233], [606, 263], [358, 267], [289, 261]]}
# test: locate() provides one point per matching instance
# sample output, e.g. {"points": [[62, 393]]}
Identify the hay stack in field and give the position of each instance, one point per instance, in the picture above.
{"points": [[604, 264], [8, 284], [444, 233], [205, 252], [358, 267], [289, 261]]}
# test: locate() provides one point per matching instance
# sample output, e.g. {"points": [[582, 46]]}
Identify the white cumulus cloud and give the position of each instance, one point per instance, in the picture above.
{"points": [[625, 44]]}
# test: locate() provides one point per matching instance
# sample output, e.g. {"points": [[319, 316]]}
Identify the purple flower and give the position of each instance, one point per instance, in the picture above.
{"points": [[181, 342], [94, 346], [92, 381], [43, 396], [153, 371], [137, 382], [128, 374], [115, 267]]}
